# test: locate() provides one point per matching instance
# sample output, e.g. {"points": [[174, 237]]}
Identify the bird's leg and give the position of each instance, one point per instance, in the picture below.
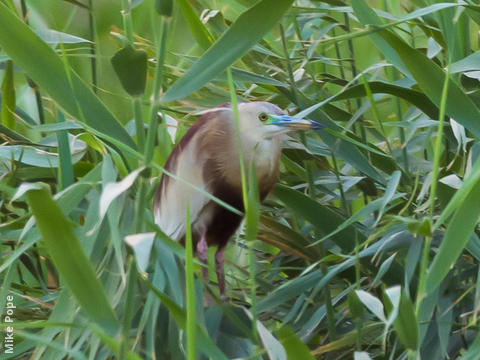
{"points": [[219, 268], [202, 251]]}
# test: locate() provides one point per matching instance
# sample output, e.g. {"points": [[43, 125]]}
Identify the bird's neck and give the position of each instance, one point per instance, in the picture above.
{"points": [[264, 152]]}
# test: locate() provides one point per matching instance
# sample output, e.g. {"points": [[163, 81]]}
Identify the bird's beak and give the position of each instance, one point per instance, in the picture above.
{"points": [[293, 123]]}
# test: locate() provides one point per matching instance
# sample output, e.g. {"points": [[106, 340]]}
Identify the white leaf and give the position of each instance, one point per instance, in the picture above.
{"points": [[54, 37], [394, 293], [472, 74], [274, 348], [452, 180], [361, 355], [172, 126], [113, 189], [433, 48], [372, 304], [23, 188], [298, 74], [208, 14], [142, 246], [459, 133]]}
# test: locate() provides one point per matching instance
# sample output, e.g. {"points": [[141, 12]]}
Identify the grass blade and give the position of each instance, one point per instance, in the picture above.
{"points": [[8, 91], [190, 291], [48, 71], [426, 72], [65, 157], [456, 238], [69, 257], [205, 343], [324, 219], [247, 30], [200, 33]]}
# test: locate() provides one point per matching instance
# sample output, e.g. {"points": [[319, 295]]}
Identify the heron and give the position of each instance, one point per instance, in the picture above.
{"points": [[207, 157]]}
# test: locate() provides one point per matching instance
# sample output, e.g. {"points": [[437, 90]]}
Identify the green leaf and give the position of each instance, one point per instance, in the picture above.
{"points": [[47, 70], [129, 304], [389, 193], [384, 268], [378, 87], [473, 350], [65, 168], [372, 303], [130, 65], [295, 348], [469, 63], [190, 289], [355, 305], [343, 150], [13, 136], [8, 103], [367, 16], [33, 156], [428, 74], [164, 7], [69, 258], [200, 33], [253, 207], [77, 3], [420, 227], [405, 323], [461, 194], [111, 343], [430, 78], [55, 37], [456, 238], [245, 32], [205, 343], [286, 239], [242, 75], [324, 219], [318, 278]]}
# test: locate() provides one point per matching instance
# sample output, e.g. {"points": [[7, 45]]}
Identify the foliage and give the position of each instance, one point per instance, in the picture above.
{"points": [[369, 244]]}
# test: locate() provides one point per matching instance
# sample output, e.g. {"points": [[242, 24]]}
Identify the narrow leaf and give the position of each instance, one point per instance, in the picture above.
{"points": [[372, 304], [405, 324], [200, 33], [48, 72], [8, 100], [456, 238], [324, 219], [69, 257], [427, 73], [205, 343], [245, 32], [295, 348]]}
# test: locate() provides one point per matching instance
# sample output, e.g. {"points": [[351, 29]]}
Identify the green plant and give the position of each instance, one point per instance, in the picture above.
{"points": [[369, 243]]}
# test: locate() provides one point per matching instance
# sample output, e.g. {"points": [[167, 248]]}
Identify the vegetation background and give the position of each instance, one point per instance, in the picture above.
{"points": [[367, 248]]}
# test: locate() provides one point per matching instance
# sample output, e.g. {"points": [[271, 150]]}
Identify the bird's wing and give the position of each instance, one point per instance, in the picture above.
{"points": [[187, 161], [173, 196]]}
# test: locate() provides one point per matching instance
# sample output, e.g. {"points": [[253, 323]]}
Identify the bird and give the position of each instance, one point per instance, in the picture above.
{"points": [[207, 156]]}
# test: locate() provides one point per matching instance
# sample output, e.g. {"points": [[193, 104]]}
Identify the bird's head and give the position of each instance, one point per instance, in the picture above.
{"points": [[267, 120]]}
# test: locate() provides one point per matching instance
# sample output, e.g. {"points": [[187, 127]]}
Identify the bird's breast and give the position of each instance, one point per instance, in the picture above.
{"points": [[267, 161], [265, 154]]}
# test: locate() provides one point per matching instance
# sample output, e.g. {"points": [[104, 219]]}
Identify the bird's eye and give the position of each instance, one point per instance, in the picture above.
{"points": [[263, 116]]}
